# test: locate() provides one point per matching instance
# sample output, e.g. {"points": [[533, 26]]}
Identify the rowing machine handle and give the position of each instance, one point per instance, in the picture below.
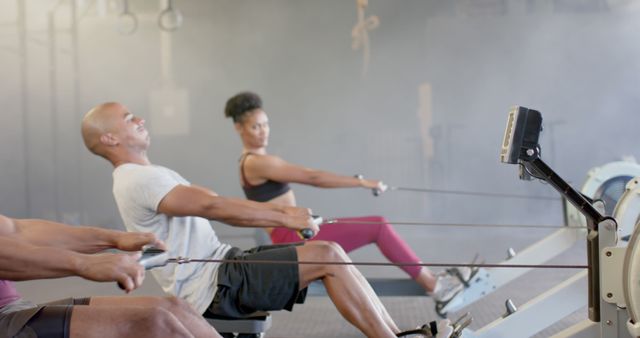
{"points": [[308, 233], [375, 191], [151, 257]]}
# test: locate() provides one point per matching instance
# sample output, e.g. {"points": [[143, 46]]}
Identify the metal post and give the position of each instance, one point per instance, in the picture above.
{"points": [[22, 43], [76, 102], [53, 106]]}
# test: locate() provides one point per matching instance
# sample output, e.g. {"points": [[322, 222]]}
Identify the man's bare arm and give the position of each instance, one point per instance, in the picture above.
{"points": [[20, 260], [197, 201], [23, 261], [81, 239]]}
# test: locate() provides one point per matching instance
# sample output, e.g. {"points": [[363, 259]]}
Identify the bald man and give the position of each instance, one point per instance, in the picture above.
{"points": [[156, 199], [37, 249]]}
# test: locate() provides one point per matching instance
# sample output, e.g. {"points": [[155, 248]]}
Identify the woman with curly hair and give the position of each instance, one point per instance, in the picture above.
{"points": [[266, 178]]}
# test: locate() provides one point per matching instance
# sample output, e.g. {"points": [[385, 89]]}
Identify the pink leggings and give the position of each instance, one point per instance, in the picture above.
{"points": [[353, 235]]}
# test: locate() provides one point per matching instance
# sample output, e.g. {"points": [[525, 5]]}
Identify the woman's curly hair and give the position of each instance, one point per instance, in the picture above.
{"points": [[239, 105]]}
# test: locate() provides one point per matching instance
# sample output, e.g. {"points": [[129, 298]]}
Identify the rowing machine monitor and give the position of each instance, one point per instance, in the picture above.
{"points": [[520, 146], [520, 143]]}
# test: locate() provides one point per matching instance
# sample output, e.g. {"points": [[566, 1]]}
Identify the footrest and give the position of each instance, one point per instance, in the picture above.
{"points": [[257, 322]]}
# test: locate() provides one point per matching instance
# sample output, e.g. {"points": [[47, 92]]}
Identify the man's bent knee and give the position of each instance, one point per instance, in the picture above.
{"points": [[335, 252], [178, 304], [125, 322], [173, 302], [332, 252], [162, 323]]}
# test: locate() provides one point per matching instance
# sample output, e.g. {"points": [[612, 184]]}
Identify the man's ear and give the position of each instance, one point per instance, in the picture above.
{"points": [[108, 139]]}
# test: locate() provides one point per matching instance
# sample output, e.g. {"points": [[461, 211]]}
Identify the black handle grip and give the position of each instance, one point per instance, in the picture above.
{"points": [[153, 257], [306, 233], [151, 250]]}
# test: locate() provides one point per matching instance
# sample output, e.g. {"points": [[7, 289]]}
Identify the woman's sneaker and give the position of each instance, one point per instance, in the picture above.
{"points": [[447, 287]]}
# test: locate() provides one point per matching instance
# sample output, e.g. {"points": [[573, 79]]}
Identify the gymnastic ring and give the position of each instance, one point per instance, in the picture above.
{"points": [[127, 23], [170, 19]]}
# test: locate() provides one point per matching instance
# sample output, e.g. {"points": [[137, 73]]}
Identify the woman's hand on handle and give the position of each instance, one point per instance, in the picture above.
{"points": [[377, 187]]}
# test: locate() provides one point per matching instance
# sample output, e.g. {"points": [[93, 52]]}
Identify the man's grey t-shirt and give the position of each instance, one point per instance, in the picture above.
{"points": [[138, 190]]}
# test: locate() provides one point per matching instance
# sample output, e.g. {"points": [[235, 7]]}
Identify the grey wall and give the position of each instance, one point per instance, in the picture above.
{"points": [[576, 61]]}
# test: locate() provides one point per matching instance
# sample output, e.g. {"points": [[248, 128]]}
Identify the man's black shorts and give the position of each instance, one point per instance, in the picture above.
{"points": [[49, 320], [247, 288]]}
